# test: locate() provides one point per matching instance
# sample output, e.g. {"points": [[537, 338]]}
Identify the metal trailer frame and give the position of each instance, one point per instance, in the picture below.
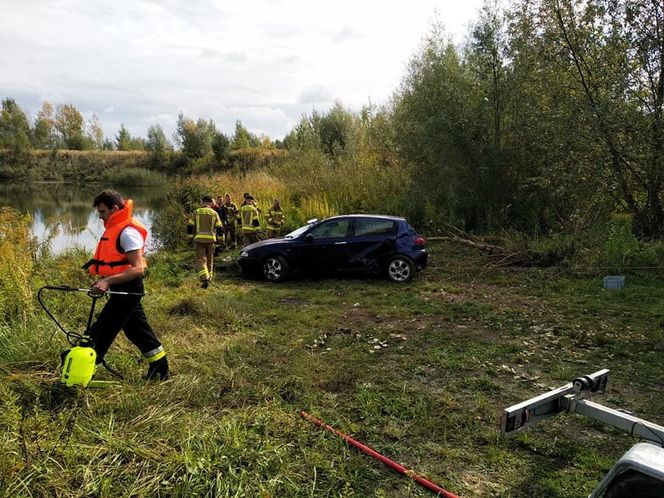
{"points": [[645, 458]]}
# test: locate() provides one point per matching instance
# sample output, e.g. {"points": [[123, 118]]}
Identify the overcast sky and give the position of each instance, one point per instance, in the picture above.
{"points": [[264, 62]]}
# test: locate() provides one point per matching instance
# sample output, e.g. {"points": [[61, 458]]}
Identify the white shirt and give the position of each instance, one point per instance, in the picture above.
{"points": [[131, 239]]}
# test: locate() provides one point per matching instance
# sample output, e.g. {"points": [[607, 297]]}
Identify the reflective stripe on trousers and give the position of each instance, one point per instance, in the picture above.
{"points": [[155, 354]]}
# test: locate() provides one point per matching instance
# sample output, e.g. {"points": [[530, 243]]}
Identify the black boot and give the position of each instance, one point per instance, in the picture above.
{"points": [[158, 370]]}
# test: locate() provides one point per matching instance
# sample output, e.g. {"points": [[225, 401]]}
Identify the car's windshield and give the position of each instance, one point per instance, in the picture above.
{"points": [[298, 232]]}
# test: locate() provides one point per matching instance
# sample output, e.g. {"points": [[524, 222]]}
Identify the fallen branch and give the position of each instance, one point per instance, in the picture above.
{"points": [[500, 256]]}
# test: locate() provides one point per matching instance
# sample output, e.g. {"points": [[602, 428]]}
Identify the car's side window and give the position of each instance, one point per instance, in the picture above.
{"points": [[331, 229], [374, 226]]}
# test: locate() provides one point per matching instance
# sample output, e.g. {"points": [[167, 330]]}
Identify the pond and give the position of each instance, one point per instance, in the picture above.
{"points": [[63, 213]]}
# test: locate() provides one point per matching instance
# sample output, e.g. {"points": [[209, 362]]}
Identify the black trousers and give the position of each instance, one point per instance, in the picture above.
{"points": [[124, 313]]}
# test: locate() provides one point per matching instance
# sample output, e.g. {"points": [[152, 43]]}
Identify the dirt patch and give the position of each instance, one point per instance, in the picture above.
{"points": [[292, 301], [185, 307], [498, 296]]}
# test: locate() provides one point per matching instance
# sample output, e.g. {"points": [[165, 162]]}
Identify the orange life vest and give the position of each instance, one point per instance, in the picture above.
{"points": [[108, 257]]}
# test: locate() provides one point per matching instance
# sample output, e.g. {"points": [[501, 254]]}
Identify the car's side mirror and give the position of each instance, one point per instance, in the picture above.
{"points": [[308, 237]]}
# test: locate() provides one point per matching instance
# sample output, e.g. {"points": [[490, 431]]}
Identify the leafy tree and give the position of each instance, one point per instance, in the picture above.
{"points": [[554, 153], [14, 126], [137, 143], [336, 130], [123, 139], [157, 142], [44, 128], [490, 176], [158, 146], [266, 142], [334, 133], [243, 138], [95, 132], [194, 138], [305, 135], [608, 54], [376, 135], [69, 125], [435, 130], [221, 145]]}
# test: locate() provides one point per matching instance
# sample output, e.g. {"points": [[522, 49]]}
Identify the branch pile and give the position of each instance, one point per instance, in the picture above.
{"points": [[500, 256]]}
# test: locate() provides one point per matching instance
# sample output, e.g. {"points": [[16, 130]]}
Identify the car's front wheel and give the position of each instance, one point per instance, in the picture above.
{"points": [[400, 269], [275, 269]]}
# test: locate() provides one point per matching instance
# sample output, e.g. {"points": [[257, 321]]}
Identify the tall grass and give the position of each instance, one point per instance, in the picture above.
{"points": [[17, 248], [25, 265], [358, 182]]}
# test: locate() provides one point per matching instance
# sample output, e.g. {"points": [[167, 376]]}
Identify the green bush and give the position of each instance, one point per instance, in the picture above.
{"points": [[613, 247], [170, 222], [620, 247]]}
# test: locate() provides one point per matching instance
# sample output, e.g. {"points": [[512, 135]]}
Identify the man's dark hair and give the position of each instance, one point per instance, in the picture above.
{"points": [[109, 198], [206, 198]]}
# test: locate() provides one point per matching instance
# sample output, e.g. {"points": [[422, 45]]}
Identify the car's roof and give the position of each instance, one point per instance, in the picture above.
{"points": [[377, 216]]}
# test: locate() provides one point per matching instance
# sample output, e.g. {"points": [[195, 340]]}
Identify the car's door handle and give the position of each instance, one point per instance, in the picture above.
{"points": [[340, 243]]}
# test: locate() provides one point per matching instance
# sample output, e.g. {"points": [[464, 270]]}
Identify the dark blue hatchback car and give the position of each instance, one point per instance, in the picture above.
{"points": [[356, 243]]}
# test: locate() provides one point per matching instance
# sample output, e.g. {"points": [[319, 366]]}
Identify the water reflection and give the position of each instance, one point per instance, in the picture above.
{"points": [[64, 214]]}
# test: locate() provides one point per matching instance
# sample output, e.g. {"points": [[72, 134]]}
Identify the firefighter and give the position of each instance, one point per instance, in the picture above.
{"points": [[118, 261], [220, 209], [250, 221], [205, 227], [275, 219], [232, 214]]}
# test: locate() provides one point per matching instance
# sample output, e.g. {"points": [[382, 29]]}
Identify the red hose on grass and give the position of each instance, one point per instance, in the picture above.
{"points": [[369, 451]]}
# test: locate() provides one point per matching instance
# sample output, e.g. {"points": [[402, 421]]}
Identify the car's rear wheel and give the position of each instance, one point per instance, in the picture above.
{"points": [[400, 269], [275, 269]]}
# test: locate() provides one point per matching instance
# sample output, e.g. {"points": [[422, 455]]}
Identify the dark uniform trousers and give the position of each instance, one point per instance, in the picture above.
{"points": [[124, 313]]}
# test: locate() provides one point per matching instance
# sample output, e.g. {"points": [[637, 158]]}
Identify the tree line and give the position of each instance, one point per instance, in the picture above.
{"points": [[64, 127], [547, 119], [550, 117]]}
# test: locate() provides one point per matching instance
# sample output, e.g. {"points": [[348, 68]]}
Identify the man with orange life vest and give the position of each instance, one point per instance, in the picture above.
{"points": [[118, 260], [205, 227]]}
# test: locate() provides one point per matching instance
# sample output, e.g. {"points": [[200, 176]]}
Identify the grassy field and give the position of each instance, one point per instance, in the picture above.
{"points": [[421, 372]]}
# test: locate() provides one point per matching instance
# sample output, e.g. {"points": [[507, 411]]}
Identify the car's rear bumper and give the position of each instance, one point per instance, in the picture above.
{"points": [[421, 258]]}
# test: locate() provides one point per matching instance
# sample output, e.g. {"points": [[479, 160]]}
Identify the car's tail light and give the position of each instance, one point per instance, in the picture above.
{"points": [[420, 241]]}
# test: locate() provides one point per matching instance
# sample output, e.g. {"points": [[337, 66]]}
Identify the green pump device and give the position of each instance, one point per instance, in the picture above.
{"points": [[79, 362]]}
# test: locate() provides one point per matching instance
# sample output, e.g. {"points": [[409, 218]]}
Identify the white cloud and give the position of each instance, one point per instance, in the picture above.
{"points": [[347, 34], [264, 62], [315, 94]]}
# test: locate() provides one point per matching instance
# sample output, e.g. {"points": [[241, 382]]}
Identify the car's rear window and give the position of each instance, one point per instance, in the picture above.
{"points": [[374, 226]]}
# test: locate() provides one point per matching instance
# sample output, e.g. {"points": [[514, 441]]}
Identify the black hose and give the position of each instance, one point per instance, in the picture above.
{"points": [[72, 337], [68, 335], [112, 371]]}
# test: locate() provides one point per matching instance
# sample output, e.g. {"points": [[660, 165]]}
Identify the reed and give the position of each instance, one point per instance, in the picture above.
{"points": [[132, 177]]}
